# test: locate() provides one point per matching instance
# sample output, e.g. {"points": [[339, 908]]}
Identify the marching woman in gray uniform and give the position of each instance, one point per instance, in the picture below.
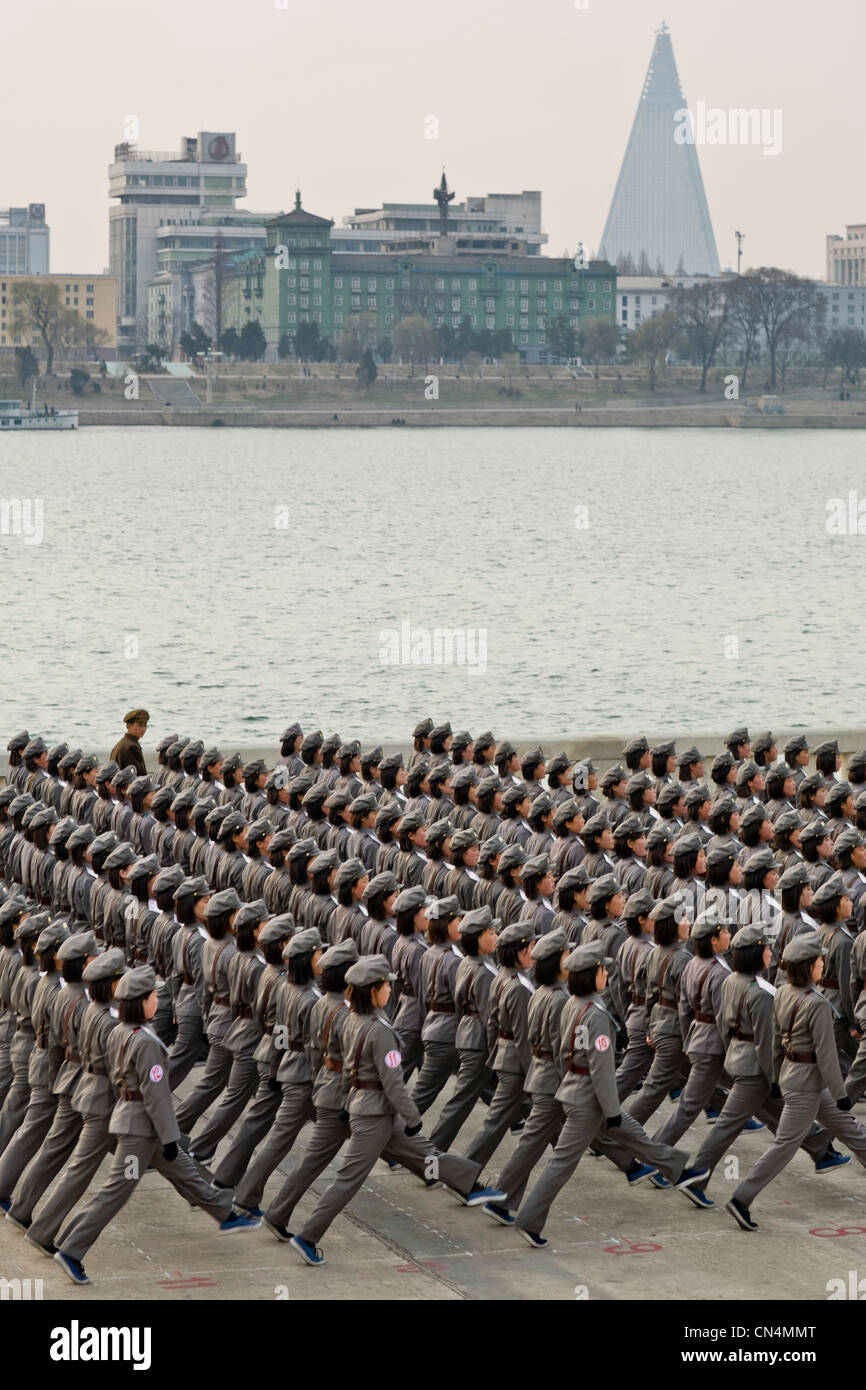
{"points": [[160, 955], [475, 975], [243, 1032], [217, 954], [571, 903], [806, 1068], [632, 964], [438, 972], [296, 996], [795, 890], [68, 1005], [191, 898], [438, 867], [21, 994], [351, 915], [93, 1098], [664, 973], [382, 1116], [10, 963], [833, 908], [544, 1076], [747, 1029], [147, 1131], [587, 1094], [409, 950]]}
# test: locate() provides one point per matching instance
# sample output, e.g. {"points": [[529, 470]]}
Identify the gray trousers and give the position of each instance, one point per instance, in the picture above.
{"points": [[413, 1053], [94, 1142], [707, 1069], [212, 1084], [440, 1062], [5, 1071], [473, 1075], [296, 1109], [242, 1082], [257, 1122], [637, 1061], [748, 1096], [163, 1023], [505, 1110], [124, 1177], [371, 1137], [18, 1095], [28, 1140], [663, 1076], [855, 1081], [542, 1128], [327, 1137], [799, 1110], [186, 1048], [582, 1123], [59, 1143]]}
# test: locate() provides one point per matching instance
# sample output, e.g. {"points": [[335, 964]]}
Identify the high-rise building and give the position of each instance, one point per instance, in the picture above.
{"points": [[659, 222], [162, 190], [487, 223], [24, 241], [846, 256]]}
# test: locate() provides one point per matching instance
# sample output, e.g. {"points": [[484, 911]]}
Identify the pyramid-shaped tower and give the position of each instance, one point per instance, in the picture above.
{"points": [[659, 214]]}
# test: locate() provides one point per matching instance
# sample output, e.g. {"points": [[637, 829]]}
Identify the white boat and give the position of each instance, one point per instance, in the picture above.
{"points": [[14, 415]]}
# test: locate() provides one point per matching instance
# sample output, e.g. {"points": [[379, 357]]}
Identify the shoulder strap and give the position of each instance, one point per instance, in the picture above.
{"points": [[431, 993], [329, 1023], [216, 961], [792, 1021], [67, 1018], [577, 1022], [356, 1060], [664, 970], [740, 1008], [702, 982]]}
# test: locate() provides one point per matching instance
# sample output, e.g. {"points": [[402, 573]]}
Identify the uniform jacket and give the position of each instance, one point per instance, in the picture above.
{"points": [[138, 1066], [543, 1019], [587, 1039], [803, 1027]]}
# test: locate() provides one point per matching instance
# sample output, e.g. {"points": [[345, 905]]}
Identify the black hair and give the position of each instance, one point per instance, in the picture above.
{"points": [[718, 875], [184, 910], [547, 969], [826, 912], [782, 840], [655, 854], [461, 794], [361, 998], [73, 969], [484, 800], [46, 958], [406, 921], [825, 762], [659, 764], [633, 924], [319, 881], [164, 900], [666, 930], [245, 935], [748, 960], [791, 897], [277, 855], [799, 972], [273, 952], [751, 833], [565, 899], [704, 945], [28, 950], [388, 778], [693, 812], [251, 781], [754, 878], [300, 968], [376, 904], [298, 868], [469, 943], [218, 925], [333, 978], [100, 990], [138, 888], [344, 894], [508, 955], [115, 880], [582, 982], [131, 1010], [437, 930]]}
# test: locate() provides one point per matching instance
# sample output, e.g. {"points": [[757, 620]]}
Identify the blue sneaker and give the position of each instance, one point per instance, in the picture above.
{"points": [[281, 1232], [831, 1159], [5, 1203], [238, 1220], [255, 1212], [638, 1172], [754, 1124], [658, 1181], [686, 1184], [73, 1269], [712, 1115], [535, 1240], [741, 1215], [675, 1093], [479, 1195], [497, 1213], [308, 1253]]}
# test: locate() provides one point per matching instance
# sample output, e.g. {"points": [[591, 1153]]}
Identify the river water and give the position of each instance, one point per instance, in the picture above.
{"points": [[581, 581]]}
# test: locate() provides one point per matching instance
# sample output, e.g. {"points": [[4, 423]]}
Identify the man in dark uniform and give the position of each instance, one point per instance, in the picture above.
{"points": [[127, 751]]}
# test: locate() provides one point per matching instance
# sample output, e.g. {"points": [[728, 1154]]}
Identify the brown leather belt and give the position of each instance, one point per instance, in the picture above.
{"points": [[294, 1047], [441, 1009], [367, 1085], [579, 1071], [509, 1037], [805, 1057], [828, 983], [244, 1013], [705, 1018], [330, 1065], [666, 1004], [221, 999], [743, 1037], [130, 1095], [638, 999], [188, 980], [71, 1056], [542, 1056]]}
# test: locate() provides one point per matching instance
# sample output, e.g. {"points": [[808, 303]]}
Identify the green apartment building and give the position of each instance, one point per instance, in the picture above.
{"points": [[304, 279]]}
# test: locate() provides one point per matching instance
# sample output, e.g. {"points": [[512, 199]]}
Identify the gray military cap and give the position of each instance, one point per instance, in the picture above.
{"points": [[805, 947], [44, 817], [629, 828], [232, 762], [689, 843], [504, 749], [344, 953], [551, 944], [411, 821], [282, 839], [184, 801], [303, 943], [350, 871], [795, 876], [517, 934], [764, 742], [559, 763], [194, 749], [613, 776], [165, 743], [830, 746], [490, 848], [438, 831], [441, 731], [640, 904], [516, 792], [565, 811], [710, 923], [123, 777], [144, 868], [291, 732], [331, 743], [303, 849], [51, 937], [592, 954], [688, 756], [7, 794], [255, 768], [192, 888], [312, 742], [34, 809], [786, 820], [104, 843], [443, 909], [33, 925], [253, 912], [537, 866], [82, 835], [298, 786], [795, 745], [696, 796], [35, 748], [362, 805], [315, 795], [635, 746], [721, 856], [740, 735], [58, 751], [277, 929], [259, 830], [383, 884], [326, 861], [164, 796], [137, 983], [232, 825], [388, 814], [460, 740], [393, 760], [210, 756], [12, 908], [512, 857], [351, 749], [464, 839], [746, 771], [541, 804], [439, 772], [597, 823], [121, 856], [639, 781], [754, 934], [140, 786], [465, 775], [483, 742], [370, 970], [830, 890], [838, 793], [18, 741], [762, 861], [576, 878], [664, 750], [721, 765], [410, 899], [604, 888], [20, 803], [81, 943], [105, 772], [168, 879], [817, 829], [489, 782], [753, 815], [109, 966], [226, 900], [670, 792], [674, 906], [69, 759], [479, 920], [849, 839]]}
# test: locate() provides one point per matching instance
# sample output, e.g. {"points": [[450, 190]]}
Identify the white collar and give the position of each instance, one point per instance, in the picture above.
{"points": [[527, 983]]}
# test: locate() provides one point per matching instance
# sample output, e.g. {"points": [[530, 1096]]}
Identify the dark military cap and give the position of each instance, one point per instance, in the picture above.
{"points": [[121, 856], [537, 866], [315, 795], [381, 884], [670, 792], [737, 736], [596, 824], [184, 801], [226, 900], [350, 749], [57, 752], [35, 748], [462, 739], [165, 743], [298, 786], [44, 817], [410, 899], [438, 831], [372, 758], [106, 841], [604, 888], [817, 829], [370, 970], [588, 956], [164, 796], [136, 716], [709, 923], [215, 816], [859, 801], [210, 756], [638, 782], [838, 793], [674, 906], [82, 835], [541, 804], [344, 953], [18, 741], [326, 861], [517, 934], [805, 947], [7, 794], [194, 749], [516, 792], [664, 750], [553, 943], [68, 760], [830, 746], [20, 803], [282, 839], [388, 814], [109, 966], [232, 825], [331, 743], [363, 805], [51, 936], [144, 868], [464, 776], [335, 801], [489, 783], [277, 929], [720, 856], [232, 763], [795, 876], [89, 762], [350, 871], [583, 768], [258, 830], [140, 786], [483, 741], [696, 796], [480, 919], [849, 839], [576, 878], [690, 755], [763, 743], [464, 839], [201, 810], [439, 772], [303, 943], [532, 757], [640, 904], [312, 741], [423, 729], [303, 849], [137, 983], [175, 749], [722, 764], [251, 913], [393, 760], [33, 925], [123, 777], [441, 731], [490, 848], [192, 888], [857, 767], [291, 732], [12, 908], [255, 768], [565, 811], [63, 829], [106, 772], [786, 820], [690, 843], [754, 814], [81, 943], [512, 857], [613, 776], [504, 749], [34, 809], [411, 821], [416, 774], [762, 861], [629, 828], [635, 746], [746, 771], [560, 762], [754, 934], [795, 745]]}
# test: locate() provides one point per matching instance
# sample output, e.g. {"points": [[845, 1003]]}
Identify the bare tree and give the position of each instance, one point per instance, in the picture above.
{"points": [[701, 314], [744, 306], [789, 308]]}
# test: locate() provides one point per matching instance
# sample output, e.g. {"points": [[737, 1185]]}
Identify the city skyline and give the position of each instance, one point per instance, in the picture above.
{"points": [[552, 111]]}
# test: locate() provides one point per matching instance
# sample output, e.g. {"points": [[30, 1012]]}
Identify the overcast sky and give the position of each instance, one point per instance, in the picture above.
{"points": [[333, 95]]}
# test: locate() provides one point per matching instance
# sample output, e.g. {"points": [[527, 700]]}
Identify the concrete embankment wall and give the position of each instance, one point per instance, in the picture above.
{"points": [[675, 417]]}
